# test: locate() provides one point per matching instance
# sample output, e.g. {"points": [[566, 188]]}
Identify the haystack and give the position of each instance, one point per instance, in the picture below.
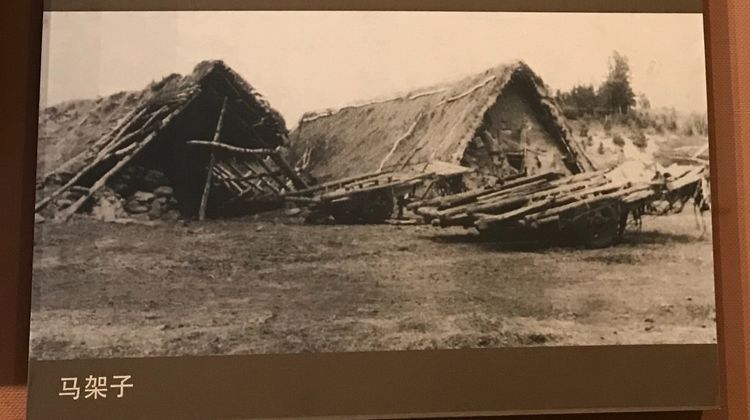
{"points": [[501, 123], [210, 138]]}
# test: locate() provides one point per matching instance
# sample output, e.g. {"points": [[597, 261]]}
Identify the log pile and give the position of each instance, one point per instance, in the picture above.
{"points": [[551, 199]]}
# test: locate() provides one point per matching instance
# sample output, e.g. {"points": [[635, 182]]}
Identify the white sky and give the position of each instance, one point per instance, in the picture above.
{"points": [[303, 61]]}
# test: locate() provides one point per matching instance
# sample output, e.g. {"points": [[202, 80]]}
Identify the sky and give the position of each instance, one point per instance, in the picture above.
{"points": [[311, 60]]}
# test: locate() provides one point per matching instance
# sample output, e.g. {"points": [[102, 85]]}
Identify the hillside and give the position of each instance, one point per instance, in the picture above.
{"points": [[69, 128], [661, 136]]}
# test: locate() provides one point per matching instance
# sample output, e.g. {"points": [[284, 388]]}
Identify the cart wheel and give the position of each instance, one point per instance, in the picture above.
{"points": [[369, 209], [378, 208], [600, 226]]}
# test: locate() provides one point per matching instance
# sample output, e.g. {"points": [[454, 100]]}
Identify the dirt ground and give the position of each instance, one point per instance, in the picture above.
{"points": [[263, 285]]}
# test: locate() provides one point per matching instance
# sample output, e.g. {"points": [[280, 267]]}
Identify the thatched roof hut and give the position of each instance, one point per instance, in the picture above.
{"points": [[86, 145], [500, 122]]}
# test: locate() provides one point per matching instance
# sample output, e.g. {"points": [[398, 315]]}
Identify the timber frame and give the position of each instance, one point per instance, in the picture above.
{"points": [[239, 170]]}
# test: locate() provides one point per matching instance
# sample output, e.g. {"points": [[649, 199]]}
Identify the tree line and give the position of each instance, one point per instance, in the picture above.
{"points": [[613, 96]]}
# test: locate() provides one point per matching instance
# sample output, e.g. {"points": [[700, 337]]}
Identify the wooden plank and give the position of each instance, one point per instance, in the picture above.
{"points": [[211, 162]]}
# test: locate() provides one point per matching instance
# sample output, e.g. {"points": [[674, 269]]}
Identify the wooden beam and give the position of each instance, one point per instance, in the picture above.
{"points": [[231, 149], [261, 180], [297, 181], [211, 161]]}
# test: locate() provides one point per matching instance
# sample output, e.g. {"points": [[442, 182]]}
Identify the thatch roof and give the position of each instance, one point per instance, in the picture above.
{"points": [[426, 125], [155, 128], [69, 132]]}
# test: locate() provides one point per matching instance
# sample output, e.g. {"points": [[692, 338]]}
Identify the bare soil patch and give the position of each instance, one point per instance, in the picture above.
{"points": [[274, 285]]}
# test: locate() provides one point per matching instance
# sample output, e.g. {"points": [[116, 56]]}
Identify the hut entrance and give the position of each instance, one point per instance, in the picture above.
{"points": [[514, 138]]}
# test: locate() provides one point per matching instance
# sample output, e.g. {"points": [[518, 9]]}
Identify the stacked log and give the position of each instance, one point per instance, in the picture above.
{"points": [[528, 202]]}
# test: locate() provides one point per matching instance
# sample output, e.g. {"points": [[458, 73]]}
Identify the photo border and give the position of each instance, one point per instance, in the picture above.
{"points": [[724, 198]]}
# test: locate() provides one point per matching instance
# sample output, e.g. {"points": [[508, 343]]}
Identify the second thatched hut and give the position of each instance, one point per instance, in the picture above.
{"points": [[500, 123]]}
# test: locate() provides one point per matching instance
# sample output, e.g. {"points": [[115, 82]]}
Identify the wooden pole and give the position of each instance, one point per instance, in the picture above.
{"points": [[114, 133], [290, 172], [123, 126], [101, 157], [122, 140], [231, 149], [65, 214], [211, 162], [103, 180]]}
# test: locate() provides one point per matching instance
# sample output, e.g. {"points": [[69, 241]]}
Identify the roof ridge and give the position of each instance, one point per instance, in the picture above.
{"points": [[435, 88]]}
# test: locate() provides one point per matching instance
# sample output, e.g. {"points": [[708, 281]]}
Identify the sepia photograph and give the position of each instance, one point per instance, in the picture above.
{"points": [[275, 182]]}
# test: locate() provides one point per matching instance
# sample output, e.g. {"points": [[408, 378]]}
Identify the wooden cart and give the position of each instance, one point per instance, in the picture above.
{"points": [[372, 197], [590, 208]]}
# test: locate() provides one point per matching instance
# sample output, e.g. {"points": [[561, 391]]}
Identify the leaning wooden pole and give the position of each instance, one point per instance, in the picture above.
{"points": [[69, 211], [211, 163]]}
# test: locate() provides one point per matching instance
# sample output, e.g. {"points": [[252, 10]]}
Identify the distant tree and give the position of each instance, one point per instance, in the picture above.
{"points": [[615, 94], [581, 100], [600, 150], [584, 98], [618, 140], [643, 101], [696, 124]]}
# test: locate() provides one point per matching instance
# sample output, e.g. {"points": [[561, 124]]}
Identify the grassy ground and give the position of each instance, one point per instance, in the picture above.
{"points": [[265, 286]]}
